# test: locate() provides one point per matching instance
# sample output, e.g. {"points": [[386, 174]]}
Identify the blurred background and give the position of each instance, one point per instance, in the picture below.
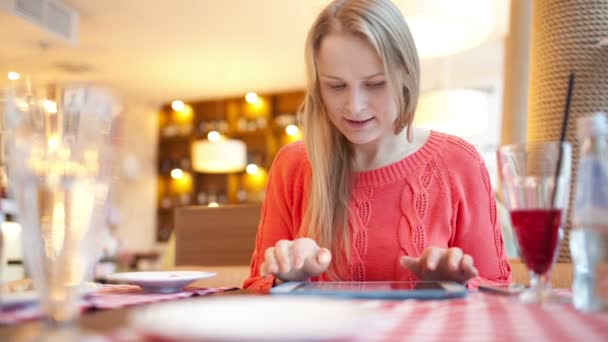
{"points": [[211, 89]]}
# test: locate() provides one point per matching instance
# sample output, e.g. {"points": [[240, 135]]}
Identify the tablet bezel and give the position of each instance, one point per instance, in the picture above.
{"points": [[447, 290]]}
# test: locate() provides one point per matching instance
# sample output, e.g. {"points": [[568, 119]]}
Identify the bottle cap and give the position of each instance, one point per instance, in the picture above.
{"points": [[596, 124]]}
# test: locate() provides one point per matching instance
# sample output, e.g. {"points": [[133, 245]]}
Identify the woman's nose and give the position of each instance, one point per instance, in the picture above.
{"points": [[356, 101]]}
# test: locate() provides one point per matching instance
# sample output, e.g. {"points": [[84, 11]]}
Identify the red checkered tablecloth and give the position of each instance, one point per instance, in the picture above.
{"points": [[483, 317], [478, 317]]}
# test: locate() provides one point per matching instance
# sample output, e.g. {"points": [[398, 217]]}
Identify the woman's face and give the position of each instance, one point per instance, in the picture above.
{"points": [[354, 89]]}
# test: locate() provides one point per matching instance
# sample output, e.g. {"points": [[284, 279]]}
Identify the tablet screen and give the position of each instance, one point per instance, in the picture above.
{"points": [[374, 289], [370, 286]]}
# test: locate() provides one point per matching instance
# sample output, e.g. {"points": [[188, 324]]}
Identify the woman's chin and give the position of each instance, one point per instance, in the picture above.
{"points": [[360, 138]]}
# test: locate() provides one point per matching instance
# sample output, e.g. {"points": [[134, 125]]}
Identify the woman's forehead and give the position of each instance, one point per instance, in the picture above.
{"points": [[348, 54]]}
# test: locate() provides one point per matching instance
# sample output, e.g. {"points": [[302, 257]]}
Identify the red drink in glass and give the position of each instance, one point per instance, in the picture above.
{"points": [[535, 179], [538, 235]]}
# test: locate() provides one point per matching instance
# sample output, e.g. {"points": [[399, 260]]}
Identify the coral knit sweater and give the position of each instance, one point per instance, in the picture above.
{"points": [[438, 196]]}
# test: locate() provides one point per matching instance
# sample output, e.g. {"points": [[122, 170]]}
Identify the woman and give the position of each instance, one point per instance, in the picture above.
{"points": [[366, 196]]}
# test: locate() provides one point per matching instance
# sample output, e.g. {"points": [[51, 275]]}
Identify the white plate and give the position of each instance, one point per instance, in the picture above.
{"points": [[254, 318], [159, 281], [20, 298]]}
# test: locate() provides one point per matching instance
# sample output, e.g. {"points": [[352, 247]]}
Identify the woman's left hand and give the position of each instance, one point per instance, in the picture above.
{"points": [[441, 264]]}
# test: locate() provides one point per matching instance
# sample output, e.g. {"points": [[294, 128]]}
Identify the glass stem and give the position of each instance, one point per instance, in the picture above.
{"points": [[541, 284]]}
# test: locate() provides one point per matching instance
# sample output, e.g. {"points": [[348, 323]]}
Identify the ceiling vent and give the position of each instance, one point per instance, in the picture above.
{"points": [[51, 15]]}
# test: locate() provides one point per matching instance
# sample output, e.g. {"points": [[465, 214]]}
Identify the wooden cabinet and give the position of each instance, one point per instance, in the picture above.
{"points": [[260, 125]]}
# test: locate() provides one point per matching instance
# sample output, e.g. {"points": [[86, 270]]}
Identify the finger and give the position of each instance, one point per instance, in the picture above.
{"points": [[299, 252], [282, 254], [467, 267], [412, 264], [454, 258], [263, 270], [319, 262], [270, 261], [433, 256], [323, 257]]}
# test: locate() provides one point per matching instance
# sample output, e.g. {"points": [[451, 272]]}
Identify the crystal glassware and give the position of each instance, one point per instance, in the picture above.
{"points": [[59, 145], [538, 204]]}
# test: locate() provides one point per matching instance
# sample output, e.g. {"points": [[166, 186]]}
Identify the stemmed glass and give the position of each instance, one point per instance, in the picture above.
{"points": [[537, 202], [59, 169]]}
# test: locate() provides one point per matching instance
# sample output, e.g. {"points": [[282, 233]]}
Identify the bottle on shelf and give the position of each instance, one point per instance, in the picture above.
{"points": [[589, 233], [184, 164], [241, 124], [166, 202], [201, 198], [261, 123], [185, 199], [222, 198], [241, 195], [212, 198], [222, 126], [185, 129], [165, 165]]}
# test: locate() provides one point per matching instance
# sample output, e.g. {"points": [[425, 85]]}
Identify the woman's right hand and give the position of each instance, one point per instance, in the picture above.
{"points": [[296, 260]]}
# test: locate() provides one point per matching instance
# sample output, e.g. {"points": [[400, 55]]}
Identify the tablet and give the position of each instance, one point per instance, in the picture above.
{"points": [[375, 290]]}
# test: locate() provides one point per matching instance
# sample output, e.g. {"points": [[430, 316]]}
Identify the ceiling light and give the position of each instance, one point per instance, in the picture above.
{"points": [[213, 136], [177, 173], [13, 75], [177, 105], [252, 98], [292, 130], [445, 27], [251, 169]]}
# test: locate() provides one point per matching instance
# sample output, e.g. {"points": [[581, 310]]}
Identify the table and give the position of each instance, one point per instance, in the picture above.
{"points": [[479, 317], [101, 321]]}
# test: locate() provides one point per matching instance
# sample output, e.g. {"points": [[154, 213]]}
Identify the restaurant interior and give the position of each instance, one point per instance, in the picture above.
{"points": [[210, 91]]}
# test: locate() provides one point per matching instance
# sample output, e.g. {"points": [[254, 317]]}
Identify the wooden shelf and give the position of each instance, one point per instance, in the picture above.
{"points": [[175, 139], [226, 116]]}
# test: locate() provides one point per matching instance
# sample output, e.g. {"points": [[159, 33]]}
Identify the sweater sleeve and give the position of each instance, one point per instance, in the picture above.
{"points": [[276, 221], [476, 229]]}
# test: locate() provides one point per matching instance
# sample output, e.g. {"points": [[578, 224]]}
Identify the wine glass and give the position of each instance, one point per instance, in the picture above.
{"points": [[538, 203], [59, 170]]}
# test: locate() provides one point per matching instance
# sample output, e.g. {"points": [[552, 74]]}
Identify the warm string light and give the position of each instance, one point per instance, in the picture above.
{"points": [[213, 136], [292, 130], [177, 173], [178, 105], [252, 98], [251, 169]]}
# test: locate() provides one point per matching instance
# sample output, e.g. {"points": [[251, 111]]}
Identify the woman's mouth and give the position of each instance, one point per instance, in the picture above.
{"points": [[358, 123]]}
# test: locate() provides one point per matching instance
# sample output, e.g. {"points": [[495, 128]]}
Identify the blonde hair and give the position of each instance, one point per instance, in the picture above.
{"points": [[379, 22]]}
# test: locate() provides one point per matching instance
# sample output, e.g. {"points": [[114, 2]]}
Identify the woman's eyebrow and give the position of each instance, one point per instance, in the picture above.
{"points": [[364, 77]]}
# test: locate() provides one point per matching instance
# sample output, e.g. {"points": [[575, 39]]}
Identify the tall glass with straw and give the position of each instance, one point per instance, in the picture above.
{"points": [[59, 165], [536, 185]]}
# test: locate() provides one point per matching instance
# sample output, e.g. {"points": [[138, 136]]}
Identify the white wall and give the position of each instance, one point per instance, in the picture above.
{"points": [[479, 68]]}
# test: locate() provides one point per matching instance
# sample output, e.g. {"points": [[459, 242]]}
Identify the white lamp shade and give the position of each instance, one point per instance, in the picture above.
{"points": [[461, 112], [445, 27], [222, 156]]}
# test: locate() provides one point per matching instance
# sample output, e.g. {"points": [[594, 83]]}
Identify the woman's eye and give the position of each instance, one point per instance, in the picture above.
{"points": [[337, 86], [376, 84]]}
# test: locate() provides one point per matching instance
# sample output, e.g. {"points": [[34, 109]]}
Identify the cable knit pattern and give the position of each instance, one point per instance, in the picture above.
{"points": [[438, 196], [359, 232]]}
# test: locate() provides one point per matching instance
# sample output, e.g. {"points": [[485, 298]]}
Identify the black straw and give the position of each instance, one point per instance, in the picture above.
{"points": [[562, 137]]}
